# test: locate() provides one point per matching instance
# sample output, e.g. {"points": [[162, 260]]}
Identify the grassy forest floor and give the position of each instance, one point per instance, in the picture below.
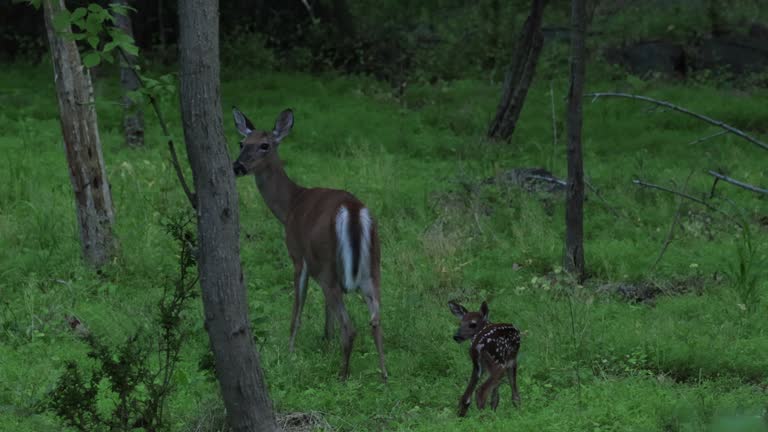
{"points": [[691, 358]]}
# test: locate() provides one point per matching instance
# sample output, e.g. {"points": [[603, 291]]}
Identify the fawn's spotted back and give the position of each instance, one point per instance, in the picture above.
{"points": [[493, 350]]}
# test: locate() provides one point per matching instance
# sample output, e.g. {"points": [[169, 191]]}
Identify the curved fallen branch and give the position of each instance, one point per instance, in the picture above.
{"points": [[735, 182], [718, 123]]}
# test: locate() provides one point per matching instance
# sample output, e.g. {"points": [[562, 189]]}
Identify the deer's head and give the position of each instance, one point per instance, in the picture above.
{"points": [[259, 148], [471, 322]]}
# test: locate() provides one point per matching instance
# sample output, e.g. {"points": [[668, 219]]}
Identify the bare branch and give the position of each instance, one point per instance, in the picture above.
{"points": [[742, 185], [171, 147], [701, 117]]}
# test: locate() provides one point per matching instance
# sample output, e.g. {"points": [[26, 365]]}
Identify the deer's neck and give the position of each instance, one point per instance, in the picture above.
{"points": [[278, 190]]}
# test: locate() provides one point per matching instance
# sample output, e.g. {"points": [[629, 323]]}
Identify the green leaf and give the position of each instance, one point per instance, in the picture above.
{"points": [[131, 49], [95, 8], [78, 14], [61, 21], [93, 41], [109, 46], [122, 9], [91, 59]]}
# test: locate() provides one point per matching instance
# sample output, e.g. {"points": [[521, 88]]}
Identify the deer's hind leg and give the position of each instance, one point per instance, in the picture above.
{"points": [[512, 376], [491, 385], [370, 291]]}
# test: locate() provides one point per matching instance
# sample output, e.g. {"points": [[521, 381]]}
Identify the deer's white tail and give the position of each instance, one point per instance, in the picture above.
{"points": [[353, 239]]}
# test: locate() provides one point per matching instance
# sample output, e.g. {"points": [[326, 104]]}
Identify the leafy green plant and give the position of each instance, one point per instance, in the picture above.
{"points": [[744, 271], [89, 24], [128, 389]]}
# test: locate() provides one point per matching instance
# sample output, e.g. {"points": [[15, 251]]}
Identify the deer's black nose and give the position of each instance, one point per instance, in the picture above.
{"points": [[239, 169], [457, 338]]}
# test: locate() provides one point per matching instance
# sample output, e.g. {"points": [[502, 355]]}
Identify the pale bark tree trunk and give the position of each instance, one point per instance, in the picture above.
{"points": [[133, 116], [574, 206], [238, 369], [520, 74], [79, 127]]}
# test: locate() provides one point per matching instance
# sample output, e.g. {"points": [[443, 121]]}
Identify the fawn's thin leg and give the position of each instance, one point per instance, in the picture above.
{"points": [[491, 384], [300, 295], [371, 299], [495, 398], [466, 398], [512, 375]]}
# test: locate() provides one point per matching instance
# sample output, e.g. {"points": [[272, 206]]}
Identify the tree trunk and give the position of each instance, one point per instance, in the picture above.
{"points": [[79, 127], [574, 206], [133, 117], [520, 74], [224, 296]]}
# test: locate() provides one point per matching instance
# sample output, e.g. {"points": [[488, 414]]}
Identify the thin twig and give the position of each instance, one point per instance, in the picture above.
{"points": [[671, 232], [694, 199], [674, 192], [554, 122], [599, 195], [735, 182], [712, 191], [171, 147], [715, 135], [701, 117]]}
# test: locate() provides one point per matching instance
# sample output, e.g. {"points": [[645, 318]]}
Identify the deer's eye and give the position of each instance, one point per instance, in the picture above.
{"points": [[264, 147], [472, 325]]}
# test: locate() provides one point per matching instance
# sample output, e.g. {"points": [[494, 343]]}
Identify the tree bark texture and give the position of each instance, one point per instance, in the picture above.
{"points": [[238, 367], [574, 205], [79, 128], [519, 75], [133, 116]]}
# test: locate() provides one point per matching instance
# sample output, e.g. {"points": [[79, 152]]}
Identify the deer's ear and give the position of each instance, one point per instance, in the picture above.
{"points": [[484, 310], [243, 125], [283, 124], [457, 309]]}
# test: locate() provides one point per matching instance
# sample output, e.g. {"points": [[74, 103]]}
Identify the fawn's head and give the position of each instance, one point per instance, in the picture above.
{"points": [[471, 322], [259, 148]]}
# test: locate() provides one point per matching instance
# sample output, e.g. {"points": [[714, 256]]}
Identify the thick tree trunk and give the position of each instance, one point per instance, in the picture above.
{"points": [[224, 296], [574, 206], [520, 74], [133, 117], [79, 127]]}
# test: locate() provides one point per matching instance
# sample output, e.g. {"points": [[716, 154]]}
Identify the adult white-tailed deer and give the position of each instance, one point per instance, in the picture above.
{"points": [[494, 349], [331, 236]]}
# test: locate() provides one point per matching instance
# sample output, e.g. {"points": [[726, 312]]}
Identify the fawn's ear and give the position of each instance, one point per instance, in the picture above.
{"points": [[283, 124], [484, 310], [243, 125], [457, 309]]}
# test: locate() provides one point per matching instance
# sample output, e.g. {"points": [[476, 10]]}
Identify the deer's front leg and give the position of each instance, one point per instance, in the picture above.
{"points": [[300, 294], [466, 398]]}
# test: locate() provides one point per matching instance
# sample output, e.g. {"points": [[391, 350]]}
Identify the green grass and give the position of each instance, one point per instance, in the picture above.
{"points": [[693, 361]]}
